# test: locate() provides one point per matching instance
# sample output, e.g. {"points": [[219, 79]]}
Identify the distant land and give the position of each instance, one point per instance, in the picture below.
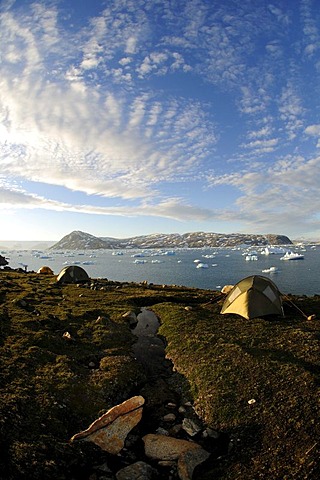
{"points": [[25, 244], [78, 240]]}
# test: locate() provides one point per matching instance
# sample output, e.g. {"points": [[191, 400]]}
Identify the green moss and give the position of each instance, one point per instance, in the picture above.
{"points": [[53, 385], [258, 375]]}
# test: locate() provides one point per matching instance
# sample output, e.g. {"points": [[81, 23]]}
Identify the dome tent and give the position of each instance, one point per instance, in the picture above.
{"points": [[45, 270], [254, 296], [72, 274]]}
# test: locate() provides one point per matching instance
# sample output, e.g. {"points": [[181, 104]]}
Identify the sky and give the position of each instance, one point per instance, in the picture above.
{"points": [[130, 117]]}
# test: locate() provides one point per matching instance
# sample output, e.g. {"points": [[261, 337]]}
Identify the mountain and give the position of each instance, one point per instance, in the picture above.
{"points": [[78, 240]]}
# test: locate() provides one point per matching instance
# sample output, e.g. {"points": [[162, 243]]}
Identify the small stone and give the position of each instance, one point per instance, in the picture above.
{"points": [[162, 431], [104, 468], [170, 417], [192, 427], [175, 429], [67, 336], [209, 432], [167, 463]]}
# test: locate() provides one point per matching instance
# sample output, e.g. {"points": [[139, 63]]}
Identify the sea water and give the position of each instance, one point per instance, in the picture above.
{"points": [[223, 266]]}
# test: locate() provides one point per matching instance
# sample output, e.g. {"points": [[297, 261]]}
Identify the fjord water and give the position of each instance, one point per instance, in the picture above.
{"points": [[225, 266]]}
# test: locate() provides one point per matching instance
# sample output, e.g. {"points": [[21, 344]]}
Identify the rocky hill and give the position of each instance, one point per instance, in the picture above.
{"points": [[78, 240]]}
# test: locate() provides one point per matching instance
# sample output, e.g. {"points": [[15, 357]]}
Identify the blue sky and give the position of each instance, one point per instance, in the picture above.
{"points": [[129, 117]]}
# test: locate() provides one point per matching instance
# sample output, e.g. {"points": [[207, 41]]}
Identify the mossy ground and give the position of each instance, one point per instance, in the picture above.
{"points": [[53, 386], [258, 380]]}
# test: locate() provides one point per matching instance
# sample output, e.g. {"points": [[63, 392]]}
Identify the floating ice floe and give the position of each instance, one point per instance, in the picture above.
{"points": [[292, 256], [251, 257], [271, 270], [202, 265]]}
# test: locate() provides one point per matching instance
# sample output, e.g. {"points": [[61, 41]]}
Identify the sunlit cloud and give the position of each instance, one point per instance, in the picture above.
{"points": [[145, 105], [169, 208], [285, 195]]}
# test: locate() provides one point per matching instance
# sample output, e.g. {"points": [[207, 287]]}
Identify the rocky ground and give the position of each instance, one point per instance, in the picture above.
{"points": [[218, 396]]}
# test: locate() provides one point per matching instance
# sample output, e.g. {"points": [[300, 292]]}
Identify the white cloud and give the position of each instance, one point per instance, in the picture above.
{"points": [[278, 13], [263, 132], [291, 111], [313, 130], [131, 45], [275, 50], [169, 208], [265, 145], [97, 108], [283, 198], [125, 61], [251, 103], [311, 40], [97, 141]]}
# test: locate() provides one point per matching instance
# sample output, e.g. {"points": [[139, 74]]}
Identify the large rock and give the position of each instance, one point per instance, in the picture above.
{"points": [[111, 429], [3, 261], [188, 461], [162, 447], [137, 471]]}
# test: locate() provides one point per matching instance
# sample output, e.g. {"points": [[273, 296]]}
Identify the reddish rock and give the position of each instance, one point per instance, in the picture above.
{"points": [[111, 429], [161, 447]]}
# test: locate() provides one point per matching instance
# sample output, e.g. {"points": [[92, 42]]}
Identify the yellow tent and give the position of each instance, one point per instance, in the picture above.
{"points": [[45, 270], [72, 274], [252, 297]]}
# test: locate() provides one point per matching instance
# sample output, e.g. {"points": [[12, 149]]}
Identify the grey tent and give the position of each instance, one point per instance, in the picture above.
{"points": [[254, 296], [72, 274]]}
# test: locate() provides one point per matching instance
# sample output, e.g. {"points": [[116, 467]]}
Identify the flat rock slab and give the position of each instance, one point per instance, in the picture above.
{"points": [[161, 447], [111, 429]]}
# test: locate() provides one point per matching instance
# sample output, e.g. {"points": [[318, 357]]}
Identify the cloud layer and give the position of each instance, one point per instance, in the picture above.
{"points": [[149, 106]]}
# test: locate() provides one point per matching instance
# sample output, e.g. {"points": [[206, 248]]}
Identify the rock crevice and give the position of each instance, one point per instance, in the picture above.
{"points": [[155, 434]]}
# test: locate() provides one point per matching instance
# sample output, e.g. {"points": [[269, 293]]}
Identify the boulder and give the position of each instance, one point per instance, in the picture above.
{"points": [[3, 261], [131, 318], [188, 461], [137, 471], [109, 431], [162, 447]]}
